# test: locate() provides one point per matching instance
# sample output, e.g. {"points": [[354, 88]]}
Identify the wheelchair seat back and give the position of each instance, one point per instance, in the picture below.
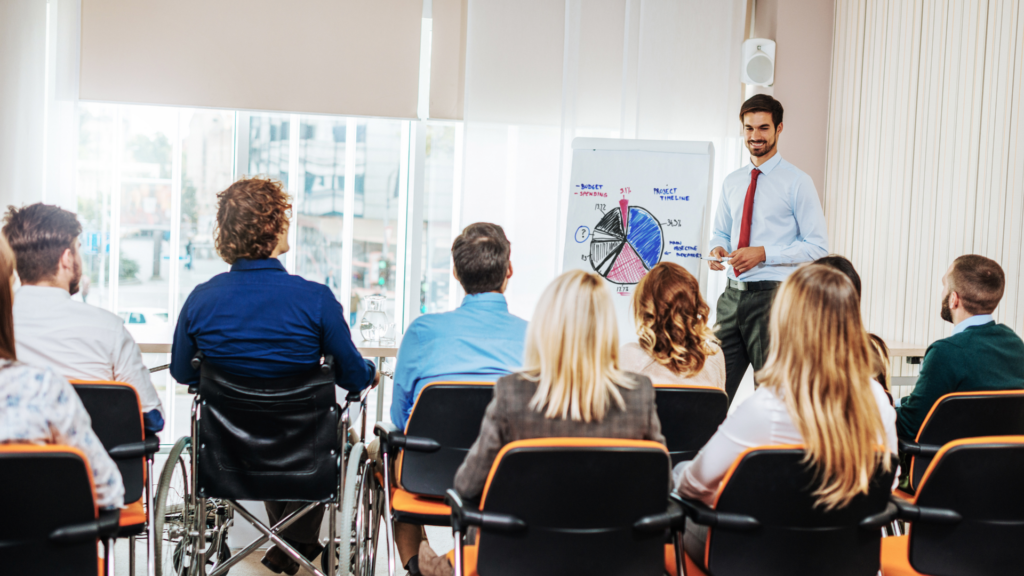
{"points": [[776, 487], [689, 416], [450, 413], [116, 415], [968, 415], [579, 498], [45, 488], [980, 480], [268, 439]]}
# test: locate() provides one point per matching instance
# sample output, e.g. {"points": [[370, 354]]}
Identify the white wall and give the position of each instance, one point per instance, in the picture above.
{"points": [[22, 57]]}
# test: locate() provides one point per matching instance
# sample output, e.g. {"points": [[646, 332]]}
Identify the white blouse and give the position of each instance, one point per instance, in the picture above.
{"points": [[632, 358], [762, 420]]}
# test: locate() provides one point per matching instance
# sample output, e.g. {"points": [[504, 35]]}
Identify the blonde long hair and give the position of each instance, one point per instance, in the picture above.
{"points": [[820, 364], [672, 319], [572, 350]]}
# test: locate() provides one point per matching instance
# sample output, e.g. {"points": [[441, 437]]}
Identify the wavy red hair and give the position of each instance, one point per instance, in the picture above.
{"points": [[672, 319], [251, 214]]}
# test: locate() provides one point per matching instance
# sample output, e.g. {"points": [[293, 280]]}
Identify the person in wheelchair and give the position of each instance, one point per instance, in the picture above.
{"points": [[259, 321], [571, 385], [37, 406], [816, 390], [478, 341]]}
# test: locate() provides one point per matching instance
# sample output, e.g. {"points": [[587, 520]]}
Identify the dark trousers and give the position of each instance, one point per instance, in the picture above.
{"points": [[742, 328]]}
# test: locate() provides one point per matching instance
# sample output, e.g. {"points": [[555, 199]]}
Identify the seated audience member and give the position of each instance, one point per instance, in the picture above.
{"points": [[76, 340], [815, 388], [676, 345], [571, 386], [259, 321], [478, 341], [39, 407], [879, 350], [980, 355]]}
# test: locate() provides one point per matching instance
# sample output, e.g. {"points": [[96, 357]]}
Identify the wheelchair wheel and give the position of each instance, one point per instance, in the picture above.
{"points": [[355, 545], [173, 513], [370, 501]]}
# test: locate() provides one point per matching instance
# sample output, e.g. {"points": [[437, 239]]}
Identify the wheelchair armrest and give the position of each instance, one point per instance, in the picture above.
{"points": [[151, 445], [103, 527], [912, 512], [391, 438], [193, 388], [672, 517], [463, 516], [915, 449], [883, 518], [702, 514], [353, 397]]}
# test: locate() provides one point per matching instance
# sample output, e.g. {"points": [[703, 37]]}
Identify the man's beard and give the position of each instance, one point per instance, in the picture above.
{"points": [[76, 282], [769, 146], [946, 313]]}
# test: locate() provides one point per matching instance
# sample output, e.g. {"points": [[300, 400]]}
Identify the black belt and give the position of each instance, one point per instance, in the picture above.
{"points": [[753, 286]]}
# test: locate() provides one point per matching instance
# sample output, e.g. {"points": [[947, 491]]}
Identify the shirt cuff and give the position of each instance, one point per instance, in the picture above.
{"points": [[153, 420], [773, 255]]}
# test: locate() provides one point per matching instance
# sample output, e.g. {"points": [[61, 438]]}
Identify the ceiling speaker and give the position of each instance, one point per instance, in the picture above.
{"points": [[758, 62]]}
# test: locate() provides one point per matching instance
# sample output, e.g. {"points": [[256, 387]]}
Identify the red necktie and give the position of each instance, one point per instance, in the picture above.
{"points": [[748, 210]]}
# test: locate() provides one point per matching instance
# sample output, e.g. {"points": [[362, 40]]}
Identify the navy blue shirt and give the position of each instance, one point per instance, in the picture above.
{"points": [[259, 321]]}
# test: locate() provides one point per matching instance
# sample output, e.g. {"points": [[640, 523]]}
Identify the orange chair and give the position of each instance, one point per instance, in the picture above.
{"points": [[116, 414], [689, 416], [556, 506], [51, 523], [962, 415], [444, 424], [967, 517], [765, 522]]}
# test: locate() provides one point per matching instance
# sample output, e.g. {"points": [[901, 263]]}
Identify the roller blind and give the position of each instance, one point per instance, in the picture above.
{"points": [[355, 57]]}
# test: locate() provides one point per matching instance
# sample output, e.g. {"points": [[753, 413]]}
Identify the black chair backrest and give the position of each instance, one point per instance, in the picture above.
{"points": [[579, 498], [269, 438], [968, 415], [689, 416], [775, 486], [43, 488], [450, 413], [980, 479], [116, 418]]}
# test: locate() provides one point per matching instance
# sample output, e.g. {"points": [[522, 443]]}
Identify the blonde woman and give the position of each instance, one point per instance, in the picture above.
{"points": [[676, 345], [816, 390]]}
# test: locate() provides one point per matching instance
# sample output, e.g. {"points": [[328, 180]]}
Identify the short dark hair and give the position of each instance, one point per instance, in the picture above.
{"points": [[39, 234], [251, 214], [979, 282], [763, 103], [480, 256], [843, 265]]}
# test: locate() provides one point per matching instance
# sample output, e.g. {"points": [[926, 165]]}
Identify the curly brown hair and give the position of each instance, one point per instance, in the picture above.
{"points": [[251, 214], [672, 319]]}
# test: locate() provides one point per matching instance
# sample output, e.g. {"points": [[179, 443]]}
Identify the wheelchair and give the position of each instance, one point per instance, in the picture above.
{"points": [[207, 473]]}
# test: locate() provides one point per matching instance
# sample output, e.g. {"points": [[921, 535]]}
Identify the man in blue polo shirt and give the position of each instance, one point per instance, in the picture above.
{"points": [[478, 341]]}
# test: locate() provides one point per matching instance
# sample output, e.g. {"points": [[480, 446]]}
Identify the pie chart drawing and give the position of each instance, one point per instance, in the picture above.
{"points": [[626, 243]]}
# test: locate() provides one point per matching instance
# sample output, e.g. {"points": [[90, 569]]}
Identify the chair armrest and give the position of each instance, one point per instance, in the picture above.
{"points": [[463, 516], [391, 438], [883, 518], [353, 396], [701, 514], [103, 527], [672, 517], [151, 445], [915, 449], [912, 512]]}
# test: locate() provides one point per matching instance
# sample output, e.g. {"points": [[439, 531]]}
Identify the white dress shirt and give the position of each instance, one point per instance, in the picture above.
{"points": [[78, 341], [39, 407], [787, 219], [762, 420]]}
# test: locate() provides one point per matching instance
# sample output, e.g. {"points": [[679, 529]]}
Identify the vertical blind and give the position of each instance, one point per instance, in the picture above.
{"points": [[925, 154]]}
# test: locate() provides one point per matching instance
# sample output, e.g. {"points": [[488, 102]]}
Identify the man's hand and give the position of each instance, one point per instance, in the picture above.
{"points": [[717, 252], [746, 258]]}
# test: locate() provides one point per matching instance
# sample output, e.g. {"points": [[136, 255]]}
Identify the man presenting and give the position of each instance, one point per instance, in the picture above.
{"points": [[769, 220]]}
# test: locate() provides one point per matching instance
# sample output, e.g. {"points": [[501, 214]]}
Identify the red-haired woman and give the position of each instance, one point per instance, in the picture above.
{"points": [[676, 345], [260, 321]]}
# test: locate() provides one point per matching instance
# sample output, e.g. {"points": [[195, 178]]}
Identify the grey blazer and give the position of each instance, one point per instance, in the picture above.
{"points": [[509, 418]]}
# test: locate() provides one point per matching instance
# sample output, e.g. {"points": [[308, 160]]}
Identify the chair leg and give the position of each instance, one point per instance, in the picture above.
{"points": [[131, 555], [458, 568], [680, 562], [108, 556], [331, 533], [150, 536], [390, 527]]}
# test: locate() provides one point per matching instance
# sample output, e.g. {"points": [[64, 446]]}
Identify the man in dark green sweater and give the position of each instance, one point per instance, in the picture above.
{"points": [[980, 355]]}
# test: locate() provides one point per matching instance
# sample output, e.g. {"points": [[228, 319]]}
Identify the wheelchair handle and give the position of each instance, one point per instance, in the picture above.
{"points": [[328, 364], [197, 360]]}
